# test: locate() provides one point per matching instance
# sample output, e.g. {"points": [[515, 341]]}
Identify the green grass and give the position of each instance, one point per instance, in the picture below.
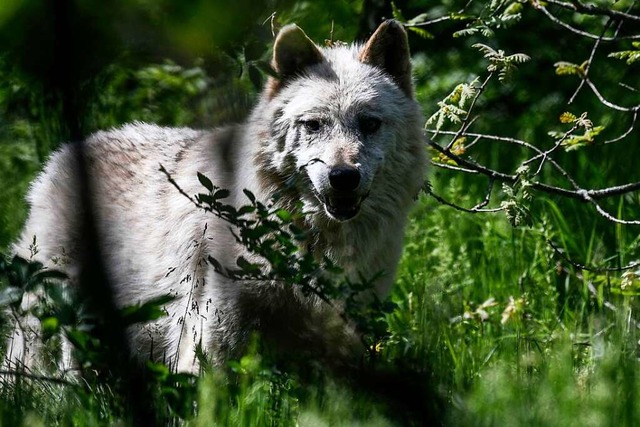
{"points": [[492, 327], [486, 318]]}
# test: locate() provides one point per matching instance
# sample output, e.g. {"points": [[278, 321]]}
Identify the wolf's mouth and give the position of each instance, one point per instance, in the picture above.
{"points": [[343, 208], [339, 205]]}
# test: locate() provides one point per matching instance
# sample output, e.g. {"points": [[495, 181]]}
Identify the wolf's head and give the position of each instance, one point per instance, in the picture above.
{"points": [[340, 125]]}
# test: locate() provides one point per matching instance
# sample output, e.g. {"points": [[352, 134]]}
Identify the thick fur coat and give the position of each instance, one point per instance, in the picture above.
{"points": [[338, 130]]}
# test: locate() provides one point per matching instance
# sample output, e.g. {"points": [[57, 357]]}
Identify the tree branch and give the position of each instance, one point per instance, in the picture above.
{"points": [[588, 9], [479, 208], [590, 61], [465, 123], [574, 30], [587, 196], [581, 266], [609, 104], [628, 131]]}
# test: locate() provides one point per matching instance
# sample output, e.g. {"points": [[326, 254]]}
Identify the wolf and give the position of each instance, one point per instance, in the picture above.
{"points": [[336, 130]]}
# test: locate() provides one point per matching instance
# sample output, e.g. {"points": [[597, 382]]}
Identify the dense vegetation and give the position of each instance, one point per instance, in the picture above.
{"points": [[515, 300]]}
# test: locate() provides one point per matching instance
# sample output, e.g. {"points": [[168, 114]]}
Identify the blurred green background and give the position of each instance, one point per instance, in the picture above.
{"points": [[504, 329]]}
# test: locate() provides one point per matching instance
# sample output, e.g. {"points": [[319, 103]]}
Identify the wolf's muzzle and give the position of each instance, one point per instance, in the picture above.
{"points": [[344, 178], [342, 199]]}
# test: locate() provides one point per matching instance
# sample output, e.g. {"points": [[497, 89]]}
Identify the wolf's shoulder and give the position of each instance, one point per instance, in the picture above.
{"points": [[138, 146], [130, 142], [121, 157], [144, 136]]}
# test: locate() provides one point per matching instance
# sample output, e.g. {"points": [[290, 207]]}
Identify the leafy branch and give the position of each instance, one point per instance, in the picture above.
{"points": [[275, 242], [589, 9], [540, 5], [504, 65], [457, 110]]}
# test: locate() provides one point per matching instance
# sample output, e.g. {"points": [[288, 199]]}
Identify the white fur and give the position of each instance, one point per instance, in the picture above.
{"points": [[154, 239]]}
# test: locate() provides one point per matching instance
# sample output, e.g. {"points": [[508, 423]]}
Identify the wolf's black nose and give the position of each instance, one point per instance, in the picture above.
{"points": [[344, 178]]}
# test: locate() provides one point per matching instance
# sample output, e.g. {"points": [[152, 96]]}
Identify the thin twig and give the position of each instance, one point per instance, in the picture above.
{"points": [[230, 274], [479, 208], [430, 22], [39, 378], [574, 30], [466, 122], [462, 208], [487, 196], [581, 266], [610, 217], [578, 193], [590, 61], [589, 196], [454, 168], [441, 18], [609, 103], [545, 154], [591, 287], [585, 9], [627, 133]]}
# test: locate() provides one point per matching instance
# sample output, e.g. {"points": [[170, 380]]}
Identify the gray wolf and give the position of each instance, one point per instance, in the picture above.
{"points": [[339, 122]]}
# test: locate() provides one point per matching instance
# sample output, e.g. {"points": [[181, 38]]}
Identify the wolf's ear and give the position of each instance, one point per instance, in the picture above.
{"points": [[293, 51], [388, 49]]}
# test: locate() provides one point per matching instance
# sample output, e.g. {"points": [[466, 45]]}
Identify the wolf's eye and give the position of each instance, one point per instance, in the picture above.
{"points": [[369, 125], [312, 125]]}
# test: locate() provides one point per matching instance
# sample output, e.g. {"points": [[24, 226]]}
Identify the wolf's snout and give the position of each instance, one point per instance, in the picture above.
{"points": [[344, 178], [342, 202]]}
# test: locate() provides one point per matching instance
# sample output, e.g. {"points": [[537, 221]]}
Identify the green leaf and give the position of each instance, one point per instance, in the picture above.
{"points": [[421, 32], [513, 9], [419, 19], [79, 339], [518, 57], [574, 142], [564, 68], [249, 195], [567, 117], [50, 326], [397, 13], [488, 51], [246, 209], [205, 199], [487, 32], [221, 194], [206, 182], [629, 56], [246, 266], [159, 370], [284, 215], [216, 264], [148, 311], [465, 32]]}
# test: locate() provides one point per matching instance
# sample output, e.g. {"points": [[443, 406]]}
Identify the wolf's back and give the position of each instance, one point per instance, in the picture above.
{"points": [[122, 166]]}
